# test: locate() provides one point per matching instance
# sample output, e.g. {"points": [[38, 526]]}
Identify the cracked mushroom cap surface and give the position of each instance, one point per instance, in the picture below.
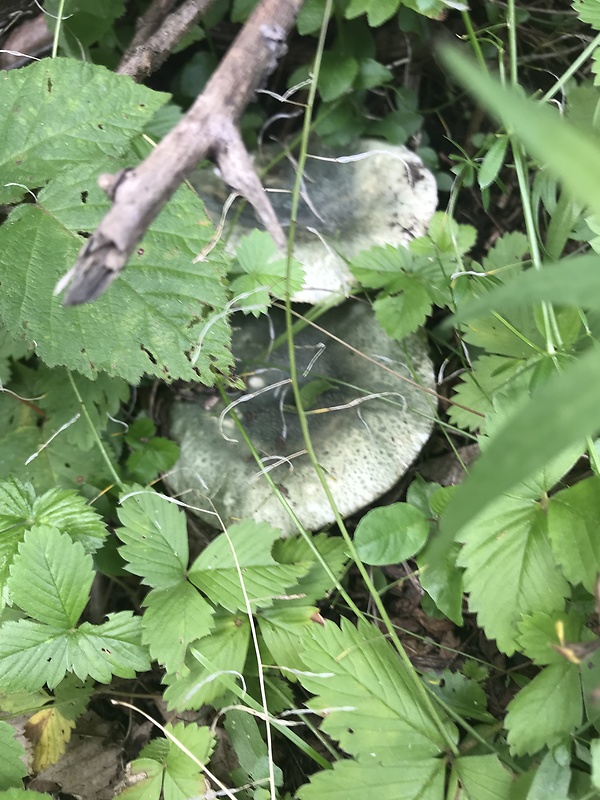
{"points": [[369, 193], [366, 424]]}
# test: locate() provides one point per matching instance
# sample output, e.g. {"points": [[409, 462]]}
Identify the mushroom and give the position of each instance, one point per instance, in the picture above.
{"points": [[373, 194], [367, 424]]}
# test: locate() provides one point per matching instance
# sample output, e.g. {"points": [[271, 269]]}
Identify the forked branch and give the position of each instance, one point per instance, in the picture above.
{"points": [[209, 128]]}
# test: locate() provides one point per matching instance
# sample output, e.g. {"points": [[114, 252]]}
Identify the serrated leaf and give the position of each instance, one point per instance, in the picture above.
{"points": [[484, 778], [101, 397], [160, 305], [173, 618], [553, 699], [170, 768], [31, 654], [588, 11], [211, 664], [51, 577], [155, 539], [539, 632], [146, 776], [264, 272], [377, 11], [285, 631], [20, 510], [315, 584], [463, 695], [573, 515], [390, 534], [61, 111], [379, 266], [403, 313], [414, 779], [49, 732], [356, 671], [151, 454], [113, 648], [510, 569], [216, 574], [12, 766], [338, 73]]}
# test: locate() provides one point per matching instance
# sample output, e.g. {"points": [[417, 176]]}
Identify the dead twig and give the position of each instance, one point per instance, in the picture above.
{"points": [[157, 34], [209, 127]]}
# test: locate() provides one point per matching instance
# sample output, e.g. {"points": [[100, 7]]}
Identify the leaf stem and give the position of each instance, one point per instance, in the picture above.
{"points": [[59, 19]]}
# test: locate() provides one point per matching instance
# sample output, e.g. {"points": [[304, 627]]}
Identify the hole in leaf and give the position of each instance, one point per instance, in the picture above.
{"points": [[84, 197]]}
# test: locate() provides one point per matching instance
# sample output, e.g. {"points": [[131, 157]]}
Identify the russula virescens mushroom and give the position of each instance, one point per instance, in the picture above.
{"points": [[366, 424], [372, 193]]}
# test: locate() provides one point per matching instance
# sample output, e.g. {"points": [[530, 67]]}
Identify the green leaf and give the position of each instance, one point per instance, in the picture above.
{"points": [[182, 777], [317, 582], [484, 778], [390, 534], [492, 162], [443, 582], [509, 565], [147, 777], [60, 112], [212, 664], [371, 74], [174, 617], [588, 12], [567, 152], [286, 629], [573, 516], [12, 764], [403, 313], [20, 510], [553, 699], [216, 574], [151, 454], [552, 777], [538, 632], [158, 306], [310, 17], [88, 23], [113, 648], [360, 679], [463, 695], [263, 276], [31, 654], [250, 748], [337, 75], [155, 540], [101, 397], [415, 779], [560, 413], [51, 578], [377, 11], [379, 267]]}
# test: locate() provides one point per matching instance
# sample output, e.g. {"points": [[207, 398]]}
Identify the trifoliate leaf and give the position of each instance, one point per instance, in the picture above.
{"points": [[173, 618], [365, 688], [212, 664], [379, 267], [573, 517], [262, 275], [410, 779], [483, 778], [510, 569], [51, 577], [20, 510], [180, 775], [69, 112], [215, 571], [155, 538], [12, 766], [49, 732], [390, 534], [553, 699]]}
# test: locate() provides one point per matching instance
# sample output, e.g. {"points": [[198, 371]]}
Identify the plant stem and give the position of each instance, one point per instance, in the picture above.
{"points": [[95, 435], [59, 19]]}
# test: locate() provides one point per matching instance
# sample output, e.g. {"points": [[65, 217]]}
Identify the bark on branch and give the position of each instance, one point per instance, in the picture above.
{"points": [[209, 127]]}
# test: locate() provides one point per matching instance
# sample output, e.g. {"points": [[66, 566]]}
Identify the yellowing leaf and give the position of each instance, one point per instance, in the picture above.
{"points": [[49, 732]]}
